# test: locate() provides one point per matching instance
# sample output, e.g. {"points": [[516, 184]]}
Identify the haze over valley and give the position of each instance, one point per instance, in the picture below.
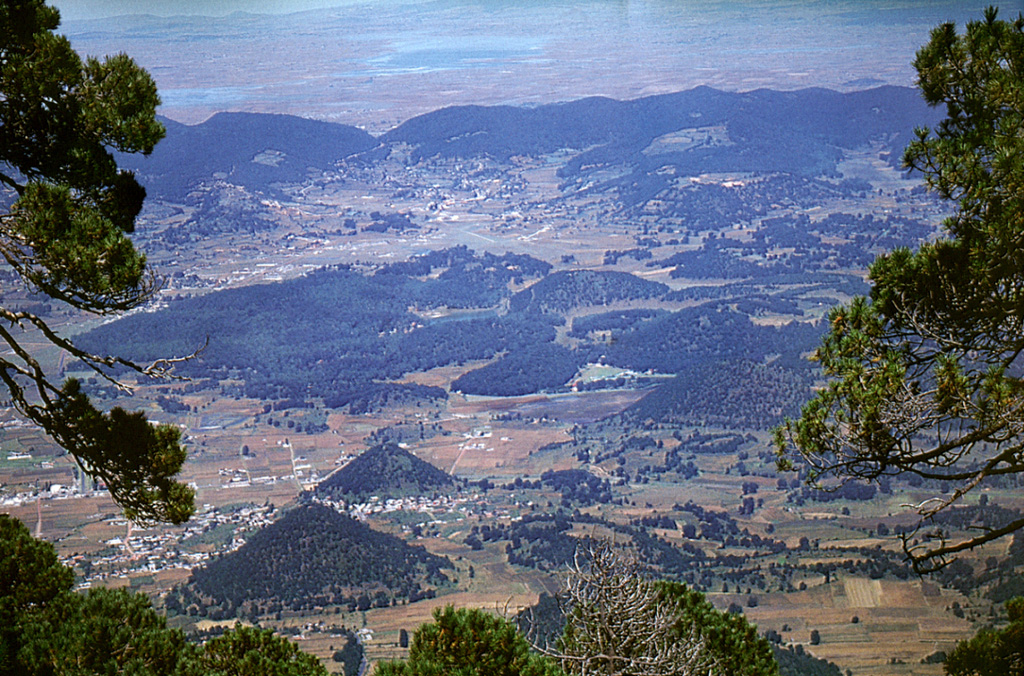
{"points": [[472, 281]]}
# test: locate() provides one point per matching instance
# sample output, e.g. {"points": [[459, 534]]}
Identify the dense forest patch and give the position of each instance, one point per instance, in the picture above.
{"points": [[312, 557]]}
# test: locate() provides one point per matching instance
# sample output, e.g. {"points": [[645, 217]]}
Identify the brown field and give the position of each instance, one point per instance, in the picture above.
{"points": [[902, 620]]}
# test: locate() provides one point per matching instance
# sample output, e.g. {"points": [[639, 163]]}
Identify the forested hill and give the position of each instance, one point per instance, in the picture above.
{"points": [[313, 557], [249, 149], [568, 289], [385, 471], [699, 130], [758, 123], [341, 338]]}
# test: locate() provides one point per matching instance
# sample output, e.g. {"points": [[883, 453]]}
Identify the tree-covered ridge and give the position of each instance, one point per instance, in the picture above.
{"points": [[738, 394], [801, 132], [544, 366], [767, 129], [385, 471], [313, 557], [257, 151], [335, 334], [463, 278], [671, 342], [568, 289], [341, 337]]}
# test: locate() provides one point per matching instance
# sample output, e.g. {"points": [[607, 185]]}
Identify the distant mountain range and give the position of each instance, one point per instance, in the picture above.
{"points": [[779, 127], [251, 149], [698, 131]]}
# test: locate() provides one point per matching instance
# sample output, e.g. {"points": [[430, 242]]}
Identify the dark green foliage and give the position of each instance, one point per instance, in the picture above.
{"points": [[66, 235], [925, 374], [46, 629], [464, 279], [672, 342], [733, 394], [387, 471], [250, 651], [796, 662], [351, 655], [313, 557], [992, 652], [1002, 592], [611, 321], [542, 543], [578, 485], [562, 291], [334, 334], [469, 642], [102, 631], [729, 639], [135, 459], [31, 578], [532, 369]]}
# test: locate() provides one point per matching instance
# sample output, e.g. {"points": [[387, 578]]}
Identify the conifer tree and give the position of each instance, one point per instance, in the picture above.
{"points": [[927, 376], [619, 622], [65, 234], [469, 642], [47, 628], [992, 652]]}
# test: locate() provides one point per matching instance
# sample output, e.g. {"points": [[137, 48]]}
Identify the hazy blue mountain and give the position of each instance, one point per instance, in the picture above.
{"points": [[799, 131], [249, 149]]}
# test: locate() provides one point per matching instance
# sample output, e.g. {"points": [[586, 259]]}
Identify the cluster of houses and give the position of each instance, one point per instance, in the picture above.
{"points": [[161, 549]]}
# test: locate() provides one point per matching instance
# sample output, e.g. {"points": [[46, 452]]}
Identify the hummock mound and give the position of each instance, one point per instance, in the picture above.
{"points": [[387, 471], [313, 557]]}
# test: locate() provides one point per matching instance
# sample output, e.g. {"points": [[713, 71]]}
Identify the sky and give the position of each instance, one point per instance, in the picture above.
{"points": [[73, 10]]}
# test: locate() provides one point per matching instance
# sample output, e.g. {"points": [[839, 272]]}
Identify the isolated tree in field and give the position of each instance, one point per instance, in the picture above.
{"points": [[926, 373], [64, 231]]}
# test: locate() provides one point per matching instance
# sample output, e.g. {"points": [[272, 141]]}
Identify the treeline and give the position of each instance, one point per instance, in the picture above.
{"points": [[622, 320], [334, 335], [737, 393], [671, 342], [531, 369], [568, 289]]}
